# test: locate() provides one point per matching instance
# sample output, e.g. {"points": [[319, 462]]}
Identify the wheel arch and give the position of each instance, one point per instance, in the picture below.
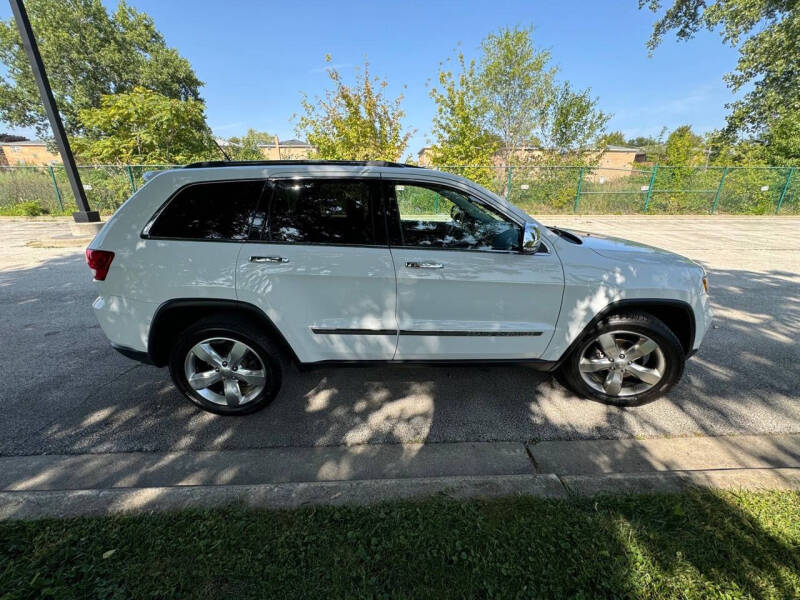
{"points": [[173, 316], [677, 315]]}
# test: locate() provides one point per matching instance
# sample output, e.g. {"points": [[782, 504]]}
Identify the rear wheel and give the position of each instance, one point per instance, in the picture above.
{"points": [[226, 366], [626, 360]]}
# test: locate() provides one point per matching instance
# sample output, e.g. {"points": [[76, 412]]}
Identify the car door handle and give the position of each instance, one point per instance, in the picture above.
{"points": [[268, 259], [424, 265]]}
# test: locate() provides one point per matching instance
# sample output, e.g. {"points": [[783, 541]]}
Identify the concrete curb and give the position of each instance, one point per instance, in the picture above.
{"points": [[75, 503], [675, 481], [33, 487]]}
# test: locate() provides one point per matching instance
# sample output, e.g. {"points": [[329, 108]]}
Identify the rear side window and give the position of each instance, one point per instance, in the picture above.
{"points": [[209, 211], [322, 212]]}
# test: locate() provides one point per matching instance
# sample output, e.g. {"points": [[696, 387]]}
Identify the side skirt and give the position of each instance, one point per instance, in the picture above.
{"points": [[534, 363]]}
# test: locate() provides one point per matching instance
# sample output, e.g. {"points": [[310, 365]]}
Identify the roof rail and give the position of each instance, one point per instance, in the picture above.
{"points": [[266, 163]]}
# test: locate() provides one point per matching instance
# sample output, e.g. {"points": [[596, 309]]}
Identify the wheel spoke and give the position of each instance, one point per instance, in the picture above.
{"points": [[237, 353], [641, 348], [207, 354], [651, 376], [198, 381], [251, 377], [609, 345], [233, 395], [613, 383], [592, 365]]}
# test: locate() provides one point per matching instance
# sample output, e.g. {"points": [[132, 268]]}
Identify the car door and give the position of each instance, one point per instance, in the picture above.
{"points": [[464, 290], [321, 269]]}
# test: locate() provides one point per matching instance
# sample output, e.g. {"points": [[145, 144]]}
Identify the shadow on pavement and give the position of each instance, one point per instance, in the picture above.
{"points": [[73, 394]]}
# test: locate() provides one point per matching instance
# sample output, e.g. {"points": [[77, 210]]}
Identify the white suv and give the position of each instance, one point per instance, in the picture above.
{"points": [[227, 272]]}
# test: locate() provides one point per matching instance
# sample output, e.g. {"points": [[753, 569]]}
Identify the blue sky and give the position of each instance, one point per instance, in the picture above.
{"points": [[257, 57]]}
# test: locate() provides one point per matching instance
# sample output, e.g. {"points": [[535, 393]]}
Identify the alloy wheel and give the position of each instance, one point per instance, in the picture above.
{"points": [[622, 363], [225, 371]]}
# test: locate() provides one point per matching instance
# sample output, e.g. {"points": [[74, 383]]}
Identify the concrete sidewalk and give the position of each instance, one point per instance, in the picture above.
{"points": [[92, 484]]}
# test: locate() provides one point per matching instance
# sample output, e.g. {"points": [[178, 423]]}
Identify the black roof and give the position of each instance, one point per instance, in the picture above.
{"points": [[266, 163]]}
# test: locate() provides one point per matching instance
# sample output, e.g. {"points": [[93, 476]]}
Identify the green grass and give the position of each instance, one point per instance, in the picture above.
{"points": [[693, 545]]}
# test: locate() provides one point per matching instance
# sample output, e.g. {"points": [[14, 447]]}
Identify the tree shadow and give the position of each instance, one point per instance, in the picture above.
{"points": [[76, 396]]}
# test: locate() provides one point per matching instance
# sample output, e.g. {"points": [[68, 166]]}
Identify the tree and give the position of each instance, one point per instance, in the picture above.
{"points": [[613, 138], [10, 137], [642, 141], [247, 146], [767, 34], [573, 121], [88, 54], [144, 127], [783, 139], [354, 122], [518, 88], [460, 124], [682, 147]]}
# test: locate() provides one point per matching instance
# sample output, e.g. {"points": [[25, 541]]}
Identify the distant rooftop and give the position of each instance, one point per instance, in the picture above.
{"points": [[293, 143]]}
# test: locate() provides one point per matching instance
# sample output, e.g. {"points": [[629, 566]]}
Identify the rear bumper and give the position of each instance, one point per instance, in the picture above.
{"points": [[125, 322], [137, 355]]}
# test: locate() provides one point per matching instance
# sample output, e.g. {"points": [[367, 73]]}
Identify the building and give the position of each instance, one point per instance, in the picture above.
{"points": [[286, 150], [613, 162], [35, 153], [29, 153]]}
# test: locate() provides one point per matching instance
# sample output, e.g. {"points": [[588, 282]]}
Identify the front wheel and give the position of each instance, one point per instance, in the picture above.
{"points": [[626, 360], [226, 366]]}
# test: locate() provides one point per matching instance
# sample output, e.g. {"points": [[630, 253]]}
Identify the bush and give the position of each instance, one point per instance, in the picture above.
{"points": [[23, 209]]}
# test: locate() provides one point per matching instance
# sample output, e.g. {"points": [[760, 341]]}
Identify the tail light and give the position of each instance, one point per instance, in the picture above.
{"points": [[99, 262]]}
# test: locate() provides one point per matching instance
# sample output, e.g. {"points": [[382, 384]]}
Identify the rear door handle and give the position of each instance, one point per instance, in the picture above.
{"points": [[268, 259], [424, 265]]}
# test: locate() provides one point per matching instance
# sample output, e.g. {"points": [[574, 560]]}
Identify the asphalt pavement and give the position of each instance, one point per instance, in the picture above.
{"points": [[67, 392]]}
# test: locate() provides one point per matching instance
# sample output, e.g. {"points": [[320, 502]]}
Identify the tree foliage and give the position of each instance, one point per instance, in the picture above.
{"points": [[459, 125], [767, 34], [354, 122], [246, 147], [517, 83], [683, 147], [573, 121], [613, 138], [511, 97], [88, 54], [144, 127]]}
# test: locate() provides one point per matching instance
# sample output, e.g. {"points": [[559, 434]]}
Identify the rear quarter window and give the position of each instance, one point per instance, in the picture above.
{"points": [[220, 210]]}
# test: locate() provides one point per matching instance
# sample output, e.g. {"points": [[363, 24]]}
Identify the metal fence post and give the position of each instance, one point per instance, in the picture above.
{"points": [[578, 192], [130, 178], [785, 189], [650, 188], [55, 186], [719, 190], [508, 183]]}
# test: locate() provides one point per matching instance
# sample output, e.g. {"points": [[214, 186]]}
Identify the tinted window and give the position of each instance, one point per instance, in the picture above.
{"points": [[440, 217], [322, 212], [209, 211]]}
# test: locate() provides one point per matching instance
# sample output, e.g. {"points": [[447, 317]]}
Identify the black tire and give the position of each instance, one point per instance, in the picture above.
{"points": [[641, 323], [234, 328]]}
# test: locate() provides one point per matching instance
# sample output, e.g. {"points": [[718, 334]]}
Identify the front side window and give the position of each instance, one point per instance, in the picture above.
{"points": [[220, 210], [440, 217], [322, 212]]}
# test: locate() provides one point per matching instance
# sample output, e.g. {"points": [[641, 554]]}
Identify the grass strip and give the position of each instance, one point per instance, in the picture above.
{"points": [[697, 544]]}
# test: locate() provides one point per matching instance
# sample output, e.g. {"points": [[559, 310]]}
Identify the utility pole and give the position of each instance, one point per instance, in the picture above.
{"points": [[83, 214]]}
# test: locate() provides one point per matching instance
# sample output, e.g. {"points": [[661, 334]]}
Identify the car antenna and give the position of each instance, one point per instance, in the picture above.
{"points": [[225, 154]]}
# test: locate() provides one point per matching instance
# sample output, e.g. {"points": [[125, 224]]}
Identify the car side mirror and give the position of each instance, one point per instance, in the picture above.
{"points": [[531, 239]]}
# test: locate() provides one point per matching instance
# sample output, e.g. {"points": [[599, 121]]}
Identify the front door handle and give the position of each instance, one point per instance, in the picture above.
{"points": [[268, 259], [424, 265]]}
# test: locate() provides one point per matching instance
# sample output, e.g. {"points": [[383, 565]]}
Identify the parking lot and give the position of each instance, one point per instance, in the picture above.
{"points": [[66, 391]]}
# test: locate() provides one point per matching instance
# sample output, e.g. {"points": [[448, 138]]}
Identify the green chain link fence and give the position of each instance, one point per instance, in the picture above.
{"points": [[45, 190], [653, 190], [536, 189]]}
